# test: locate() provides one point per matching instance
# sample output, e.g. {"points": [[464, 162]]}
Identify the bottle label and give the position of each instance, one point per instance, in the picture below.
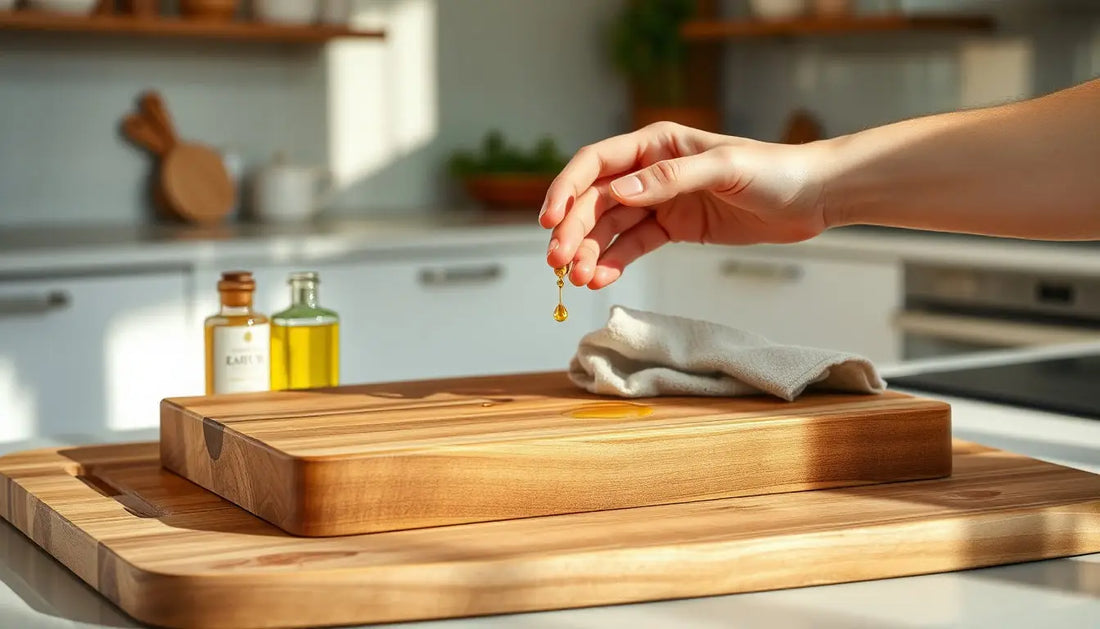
{"points": [[241, 356]]}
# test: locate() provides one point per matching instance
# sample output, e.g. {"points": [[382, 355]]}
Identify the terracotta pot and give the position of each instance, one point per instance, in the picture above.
{"points": [[509, 191], [703, 118]]}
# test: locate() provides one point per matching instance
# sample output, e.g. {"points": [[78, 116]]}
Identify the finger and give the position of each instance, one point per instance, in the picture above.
{"points": [[668, 178], [637, 241], [578, 221], [611, 224], [613, 156]]}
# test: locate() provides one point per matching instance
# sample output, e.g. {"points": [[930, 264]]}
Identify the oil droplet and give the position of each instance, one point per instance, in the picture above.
{"points": [[611, 410], [560, 313]]}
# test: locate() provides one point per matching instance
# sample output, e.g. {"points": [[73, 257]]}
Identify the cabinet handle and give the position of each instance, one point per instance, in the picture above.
{"points": [[33, 304], [762, 270], [460, 275]]}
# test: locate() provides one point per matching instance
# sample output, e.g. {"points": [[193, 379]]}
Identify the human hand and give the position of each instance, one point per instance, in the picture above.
{"points": [[625, 196]]}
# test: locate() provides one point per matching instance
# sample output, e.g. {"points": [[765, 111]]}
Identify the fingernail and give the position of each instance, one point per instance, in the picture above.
{"points": [[545, 206], [628, 187], [583, 270], [553, 245]]}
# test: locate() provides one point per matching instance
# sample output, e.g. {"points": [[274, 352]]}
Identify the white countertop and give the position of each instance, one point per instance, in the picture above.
{"points": [[36, 591], [45, 250]]}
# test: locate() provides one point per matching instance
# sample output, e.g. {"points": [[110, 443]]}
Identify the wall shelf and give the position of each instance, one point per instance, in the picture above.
{"points": [[170, 27], [709, 30]]}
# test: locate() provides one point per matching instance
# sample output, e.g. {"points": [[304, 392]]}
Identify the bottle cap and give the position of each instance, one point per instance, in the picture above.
{"points": [[304, 276], [236, 288], [237, 280]]}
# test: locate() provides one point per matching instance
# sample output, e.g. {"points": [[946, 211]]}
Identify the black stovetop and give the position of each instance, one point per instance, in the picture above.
{"points": [[1060, 385]]}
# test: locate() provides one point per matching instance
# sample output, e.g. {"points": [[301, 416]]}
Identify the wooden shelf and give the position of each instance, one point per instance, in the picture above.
{"points": [[123, 25], [713, 30]]}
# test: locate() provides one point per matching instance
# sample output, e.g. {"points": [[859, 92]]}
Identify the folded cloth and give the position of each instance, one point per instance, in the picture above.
{"points": [[645, 354]]}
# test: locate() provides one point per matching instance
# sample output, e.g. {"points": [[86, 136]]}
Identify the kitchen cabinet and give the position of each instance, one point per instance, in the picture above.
{"points": [[431, 314], [843, 304], [81, 354]]}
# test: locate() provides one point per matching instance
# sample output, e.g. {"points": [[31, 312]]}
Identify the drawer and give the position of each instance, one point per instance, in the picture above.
{"points": [[824, 302], [84, 354]]}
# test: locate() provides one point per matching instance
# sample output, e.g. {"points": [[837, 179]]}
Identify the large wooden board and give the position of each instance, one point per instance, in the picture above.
{"points": [[172, 554], [408, 455]]}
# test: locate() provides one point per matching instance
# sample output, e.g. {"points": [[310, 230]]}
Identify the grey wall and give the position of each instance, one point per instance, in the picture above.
{"points": [[61, 99], [853, 82], [524, 66]]}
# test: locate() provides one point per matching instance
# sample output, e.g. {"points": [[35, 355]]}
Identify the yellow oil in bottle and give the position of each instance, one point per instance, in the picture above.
{"points": [[305, 340], [237, 340], [611, 410], [305, 356], [560, 313]]}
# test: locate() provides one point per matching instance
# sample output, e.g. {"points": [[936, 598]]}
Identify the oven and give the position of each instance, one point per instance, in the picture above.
{"points": [[954, 310]]}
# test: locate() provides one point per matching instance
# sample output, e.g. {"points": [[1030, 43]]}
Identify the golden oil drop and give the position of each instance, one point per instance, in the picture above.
{"points": [[560, 313], [611, 410]]}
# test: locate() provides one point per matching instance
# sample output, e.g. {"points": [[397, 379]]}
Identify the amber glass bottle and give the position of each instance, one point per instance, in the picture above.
{"points": [[305, 339], [238, 340]]}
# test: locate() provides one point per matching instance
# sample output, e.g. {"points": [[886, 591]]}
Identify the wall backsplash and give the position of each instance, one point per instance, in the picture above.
{"points": [[526, 67], [855, 82], [62, 159]]}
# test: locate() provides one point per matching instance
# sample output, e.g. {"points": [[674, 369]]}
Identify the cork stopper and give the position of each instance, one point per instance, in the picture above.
{"points": [[236, 288]]}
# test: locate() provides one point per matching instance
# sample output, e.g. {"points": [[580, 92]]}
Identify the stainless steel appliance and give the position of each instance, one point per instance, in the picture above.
{"points": [[951, 310]]}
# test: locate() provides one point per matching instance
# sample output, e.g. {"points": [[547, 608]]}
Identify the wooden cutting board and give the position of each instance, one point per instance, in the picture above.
{"points": [[172, 554], [409, 455]]}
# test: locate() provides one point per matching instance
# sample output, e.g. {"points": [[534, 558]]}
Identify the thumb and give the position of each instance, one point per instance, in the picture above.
{"points": [[668, 178]]}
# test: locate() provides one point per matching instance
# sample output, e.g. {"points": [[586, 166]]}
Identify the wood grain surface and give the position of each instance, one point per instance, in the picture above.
{"points": [[396, 456], [172, 554]]}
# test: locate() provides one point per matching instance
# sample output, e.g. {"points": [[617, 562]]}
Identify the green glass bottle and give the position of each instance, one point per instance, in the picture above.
{"points": [[305, 339]]}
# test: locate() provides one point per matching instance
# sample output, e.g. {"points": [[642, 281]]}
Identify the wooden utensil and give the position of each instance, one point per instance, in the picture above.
{"points": [[192, 180], [440, 452], [174, 555], [154, 110], [142, 131]]}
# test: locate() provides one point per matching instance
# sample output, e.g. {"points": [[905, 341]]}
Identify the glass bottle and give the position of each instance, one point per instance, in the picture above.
{"points": [[238, 345], [305, 339]]}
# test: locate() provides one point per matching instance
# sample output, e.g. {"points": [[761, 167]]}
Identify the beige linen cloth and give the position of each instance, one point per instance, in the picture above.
{"points": [[645, 354]]}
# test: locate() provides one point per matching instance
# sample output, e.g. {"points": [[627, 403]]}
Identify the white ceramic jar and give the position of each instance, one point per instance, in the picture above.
{"points": [[289, 193]]}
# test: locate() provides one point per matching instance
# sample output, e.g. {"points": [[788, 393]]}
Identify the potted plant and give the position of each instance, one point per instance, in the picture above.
{"points": [[503, 176], [647, 48]]}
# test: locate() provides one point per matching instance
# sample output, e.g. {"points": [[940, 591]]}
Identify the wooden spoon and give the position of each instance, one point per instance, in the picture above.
{"points": [[141, 132], [193, 180], [152, 106]]}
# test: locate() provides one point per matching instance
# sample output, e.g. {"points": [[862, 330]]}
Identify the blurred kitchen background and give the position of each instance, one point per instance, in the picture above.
{"points": [[400, 147]]}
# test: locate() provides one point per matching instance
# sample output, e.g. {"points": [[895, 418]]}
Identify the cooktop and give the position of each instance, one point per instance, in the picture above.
{"points": [[1069, 386]]}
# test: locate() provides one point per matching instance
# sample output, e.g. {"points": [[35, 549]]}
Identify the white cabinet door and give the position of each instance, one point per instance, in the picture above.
{"points": [[821, 302], [83, 354], [414, 316]]}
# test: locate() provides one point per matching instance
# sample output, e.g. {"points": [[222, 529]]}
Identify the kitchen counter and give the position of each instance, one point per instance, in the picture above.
{"points": [[36, 591], [46, 250]]}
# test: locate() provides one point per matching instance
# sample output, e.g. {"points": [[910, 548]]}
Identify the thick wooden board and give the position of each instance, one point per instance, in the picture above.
{"points": [[398, 456], [172, 554]]}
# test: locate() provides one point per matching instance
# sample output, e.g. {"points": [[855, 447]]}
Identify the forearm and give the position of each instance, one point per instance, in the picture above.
{"points": [[1028, 170]]}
